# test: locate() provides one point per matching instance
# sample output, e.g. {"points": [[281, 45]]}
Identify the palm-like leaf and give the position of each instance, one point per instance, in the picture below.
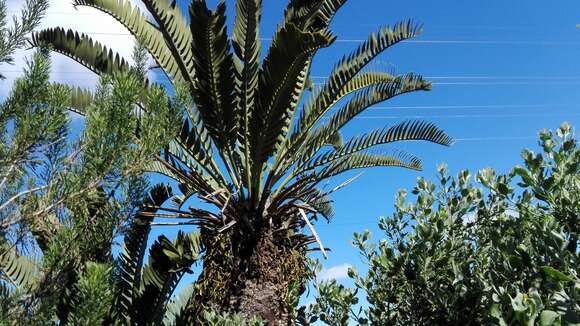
{"points": [[349, 67], [131, 260], [18, 270], [415, 130], [81, 48], [81, 99], [366, 160], [363, 100], [312, 14], [176, 34], [215, 73], [142, 292], [282, 82], [137, 24], [246, 44], [168, 262], [176, 308]]}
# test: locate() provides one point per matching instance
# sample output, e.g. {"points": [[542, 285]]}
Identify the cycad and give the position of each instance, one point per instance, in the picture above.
{"points": [[257, 139]]}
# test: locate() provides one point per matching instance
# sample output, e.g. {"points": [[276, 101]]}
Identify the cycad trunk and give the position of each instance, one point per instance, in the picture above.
{"points": [[255, 278]]}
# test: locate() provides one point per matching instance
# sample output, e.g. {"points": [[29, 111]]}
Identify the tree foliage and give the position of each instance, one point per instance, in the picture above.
{"points": [[503, 252], [66, 198], [15, 36]]}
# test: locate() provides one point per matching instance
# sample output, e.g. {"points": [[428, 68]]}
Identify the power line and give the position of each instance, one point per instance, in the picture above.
{"points": [[466, 116], [489, 77], [514, 83], [99, 13], [500, 106], [497, 83], [519, 78], [436, 42], [478, 139]]}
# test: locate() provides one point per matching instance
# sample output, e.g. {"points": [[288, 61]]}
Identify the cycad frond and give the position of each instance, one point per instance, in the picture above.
{"points": [[168, 262], [307, 146], [335, 140], [304, 186], [177, 35], [177, 154], [410, 130], [298, 11], [367, 160], [176, 308], [357, 83], [350, 66], [81, 99], [247, 45], [125, 13], [82, 49], [312, 15], [130, 261], [195, 141], [177, 165], [321, 203], [19, 270], [282, 82], [214, 68], [323, 15]]}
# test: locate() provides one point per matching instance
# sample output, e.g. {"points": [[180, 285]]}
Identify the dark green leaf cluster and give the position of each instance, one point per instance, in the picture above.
{"points": [[501, 253], [64, 199]]}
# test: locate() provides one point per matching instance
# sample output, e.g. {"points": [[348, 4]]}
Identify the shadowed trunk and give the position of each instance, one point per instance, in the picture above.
{"points": [[260, 279]]}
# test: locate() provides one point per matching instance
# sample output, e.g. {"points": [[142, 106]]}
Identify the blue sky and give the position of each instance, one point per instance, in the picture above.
{"points": [[502, 70]]}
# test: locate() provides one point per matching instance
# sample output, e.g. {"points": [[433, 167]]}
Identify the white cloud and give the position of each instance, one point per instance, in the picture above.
{"points": [[334, 273], [61, 13]]}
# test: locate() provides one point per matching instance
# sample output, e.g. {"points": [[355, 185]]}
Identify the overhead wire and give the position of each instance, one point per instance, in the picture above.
{"points": [[354, 40], [482, 77], [489, 80]]}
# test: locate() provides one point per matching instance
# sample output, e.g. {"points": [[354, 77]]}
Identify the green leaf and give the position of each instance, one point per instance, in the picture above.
{"points": [[313, 15], [365, 160], [20, 270], [176, 34], [518, 303], [247, 45], [214, 82], [130, 262], [550, 318], [168, 262], [311, 143], [82, 49], [405, 131], [350, 66], [125, 13], [282, 81], [556, 274], [81, 99], [176, 307]]}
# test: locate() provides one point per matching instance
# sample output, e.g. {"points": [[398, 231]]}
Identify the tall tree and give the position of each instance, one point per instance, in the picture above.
{"points": [[64, 199], [257, 140]]}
